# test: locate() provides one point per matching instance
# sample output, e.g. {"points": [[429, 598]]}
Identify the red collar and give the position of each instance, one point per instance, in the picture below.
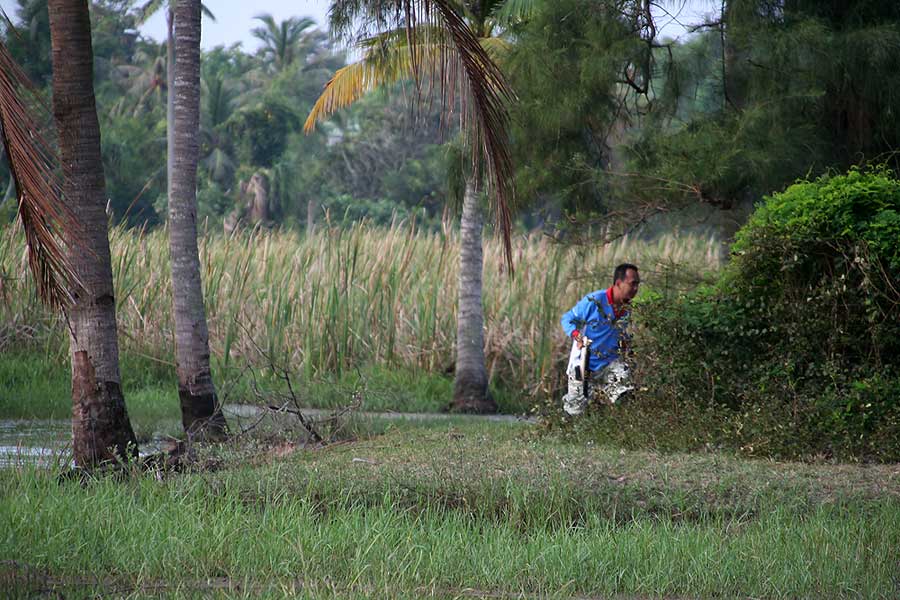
{"points": [[609, 298]]}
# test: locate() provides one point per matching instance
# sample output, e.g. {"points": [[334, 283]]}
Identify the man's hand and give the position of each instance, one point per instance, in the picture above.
{"points": [[579, 339]]}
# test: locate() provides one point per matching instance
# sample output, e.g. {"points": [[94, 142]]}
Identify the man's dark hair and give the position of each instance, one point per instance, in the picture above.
{"points": [[622, 271]]}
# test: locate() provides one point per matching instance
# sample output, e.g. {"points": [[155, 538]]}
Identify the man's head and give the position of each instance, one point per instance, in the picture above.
{"points": [[625, 283]]}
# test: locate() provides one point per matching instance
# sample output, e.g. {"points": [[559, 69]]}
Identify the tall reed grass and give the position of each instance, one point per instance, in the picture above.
{"points": [[355, 296]]}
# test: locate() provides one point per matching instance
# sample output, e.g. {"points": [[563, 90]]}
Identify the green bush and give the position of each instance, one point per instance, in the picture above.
{"points": [[796, 349]]}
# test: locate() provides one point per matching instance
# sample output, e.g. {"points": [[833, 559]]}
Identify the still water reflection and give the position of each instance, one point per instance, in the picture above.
{"points": [[43, 442]]}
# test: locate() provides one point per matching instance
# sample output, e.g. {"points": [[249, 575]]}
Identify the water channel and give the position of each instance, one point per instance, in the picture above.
{"points": [[49, 442], [26, 441], [45, 443]]}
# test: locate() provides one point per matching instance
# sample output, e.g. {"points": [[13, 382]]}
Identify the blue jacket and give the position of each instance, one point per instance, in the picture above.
{"points": [[594, 317]]}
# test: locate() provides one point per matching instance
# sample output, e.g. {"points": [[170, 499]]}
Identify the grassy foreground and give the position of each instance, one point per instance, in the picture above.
{"points": [[460, 510]]}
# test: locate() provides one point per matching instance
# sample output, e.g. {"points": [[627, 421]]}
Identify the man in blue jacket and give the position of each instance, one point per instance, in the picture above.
{"points": [[602, 318]]}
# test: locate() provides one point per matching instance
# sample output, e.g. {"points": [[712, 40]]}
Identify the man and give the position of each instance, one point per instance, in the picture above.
{"points": [[600, 317]]}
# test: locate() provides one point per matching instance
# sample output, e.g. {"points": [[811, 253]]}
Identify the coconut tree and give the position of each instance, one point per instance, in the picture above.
{"points": [[147, 10], [145, 80], [448, 47], [101, 430], [218, 97], [228, 80], [200, 410], [281, 40]]}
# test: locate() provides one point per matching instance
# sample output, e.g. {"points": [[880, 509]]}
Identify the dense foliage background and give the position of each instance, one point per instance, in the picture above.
{"points": [[612, 123], [376, 155]]}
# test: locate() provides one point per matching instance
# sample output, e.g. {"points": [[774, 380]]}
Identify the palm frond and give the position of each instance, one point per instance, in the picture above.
{"points": [[497, 48], [34, 166], [207, 13], [148, 9], [513, 12], [485, 120], [386, 60], [346, 86], [267, 33], [301, 24], [463, 74]]}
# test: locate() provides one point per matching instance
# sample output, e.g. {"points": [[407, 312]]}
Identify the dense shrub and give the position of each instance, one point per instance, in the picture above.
{"points": [[796, 350]]}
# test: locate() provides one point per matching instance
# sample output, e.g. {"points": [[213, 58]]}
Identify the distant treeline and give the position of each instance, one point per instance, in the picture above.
{"points": [[610, 119]]}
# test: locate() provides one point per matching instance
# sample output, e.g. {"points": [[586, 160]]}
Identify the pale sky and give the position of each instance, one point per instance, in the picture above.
{"points": [[234, 18]]}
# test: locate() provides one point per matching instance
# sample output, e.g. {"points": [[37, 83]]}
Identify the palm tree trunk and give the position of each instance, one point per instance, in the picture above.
{"points": [[170, 95], [200, 410], [470, 389], [101, 430], [258, 199], [310, 217]]}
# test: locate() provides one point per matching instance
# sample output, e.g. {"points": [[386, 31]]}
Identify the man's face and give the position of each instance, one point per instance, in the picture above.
{"points": [[627, 288]]}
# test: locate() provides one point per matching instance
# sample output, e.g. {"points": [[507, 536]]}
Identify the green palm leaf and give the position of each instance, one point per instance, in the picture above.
{"points": [[512, 12], [280, 40]]}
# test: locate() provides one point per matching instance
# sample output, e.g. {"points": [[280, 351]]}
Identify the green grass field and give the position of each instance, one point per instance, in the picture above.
{"points": [[467, 509]]}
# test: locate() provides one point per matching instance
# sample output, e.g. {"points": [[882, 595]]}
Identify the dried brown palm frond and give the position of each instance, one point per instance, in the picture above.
{"points": [[34, 166], [447, 60]]}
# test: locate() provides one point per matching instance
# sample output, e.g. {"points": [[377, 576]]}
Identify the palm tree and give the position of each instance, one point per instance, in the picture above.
{"points": [[101, 430], [146, 82], [456, 48], [145, 12], [281, 40], [200, 410], [470, 383], [218, 96], [228, 79]]}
